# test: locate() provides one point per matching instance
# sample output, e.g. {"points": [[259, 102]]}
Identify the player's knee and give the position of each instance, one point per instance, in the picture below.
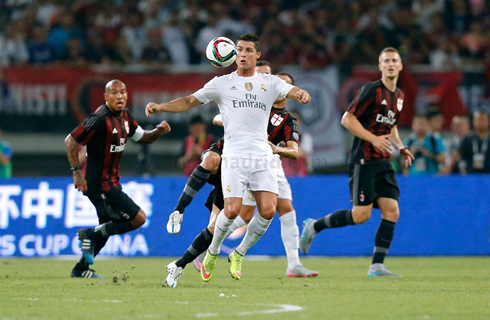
{"points": [[232, 211], [211, 228], [361, 214], [212, 161], [392, 214], [139, 220], [267, 212]]}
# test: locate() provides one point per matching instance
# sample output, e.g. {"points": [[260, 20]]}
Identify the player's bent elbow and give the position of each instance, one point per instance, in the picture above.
{"points": [[345, 120]]}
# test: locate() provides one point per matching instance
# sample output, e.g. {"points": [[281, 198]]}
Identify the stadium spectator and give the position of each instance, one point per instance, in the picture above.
{"points": [[194, 144], [460, 127], [40, 51], [436, 122], [208, 32], [174, 38], [154, 53], [13, 46], [423, 147], [135, 34], [63, 31], [5, 158], [474, 149]]}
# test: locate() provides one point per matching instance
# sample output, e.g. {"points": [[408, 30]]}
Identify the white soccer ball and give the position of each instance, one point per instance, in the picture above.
{"points": [[221, 52]]}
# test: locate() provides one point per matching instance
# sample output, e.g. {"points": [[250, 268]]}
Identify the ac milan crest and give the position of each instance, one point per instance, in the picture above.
{"points": [[276, 120]]}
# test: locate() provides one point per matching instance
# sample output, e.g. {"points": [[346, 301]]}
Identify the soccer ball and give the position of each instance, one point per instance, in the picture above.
{"points": [[221, 52]]}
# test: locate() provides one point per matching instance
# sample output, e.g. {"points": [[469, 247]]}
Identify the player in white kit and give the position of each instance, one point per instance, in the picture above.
{"points": [[245, 99]]}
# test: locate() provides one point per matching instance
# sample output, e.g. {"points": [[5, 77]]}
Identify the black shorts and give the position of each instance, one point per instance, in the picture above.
{"points": [[216, 147], [371, 181], [114, 205]]}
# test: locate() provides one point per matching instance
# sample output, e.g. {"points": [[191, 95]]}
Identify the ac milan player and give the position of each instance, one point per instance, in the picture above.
{"points": [[372, 118], [105, 133]]}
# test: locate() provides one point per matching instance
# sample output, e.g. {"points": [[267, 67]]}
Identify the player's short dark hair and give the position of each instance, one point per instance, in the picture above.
{"points": [[390, 49], [252, 37], [262, 63], [481, 111], [420, 116], [287, 75]]}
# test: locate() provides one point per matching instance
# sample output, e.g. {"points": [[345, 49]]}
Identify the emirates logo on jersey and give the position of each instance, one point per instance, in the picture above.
{"points": [[249, 86], [126, 125], [399, 104], [276, 120]]}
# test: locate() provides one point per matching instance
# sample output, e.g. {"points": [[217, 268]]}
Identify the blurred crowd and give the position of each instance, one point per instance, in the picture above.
{"points": [[313, 34], [460, 151]]}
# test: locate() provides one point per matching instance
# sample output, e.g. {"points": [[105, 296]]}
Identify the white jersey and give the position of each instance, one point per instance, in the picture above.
{"points": [[245, 105]]}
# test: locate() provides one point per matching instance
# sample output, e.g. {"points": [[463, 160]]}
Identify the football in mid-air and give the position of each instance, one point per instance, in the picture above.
{"points": [[221, 52]]}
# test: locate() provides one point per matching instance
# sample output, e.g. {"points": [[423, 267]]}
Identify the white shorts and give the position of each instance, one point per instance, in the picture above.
{"points": [[284, 188], [239, 174]]}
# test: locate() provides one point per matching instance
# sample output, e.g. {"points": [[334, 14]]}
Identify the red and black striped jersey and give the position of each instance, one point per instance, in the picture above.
{"points": [[282, 128], [378, 110], [105, 135]]}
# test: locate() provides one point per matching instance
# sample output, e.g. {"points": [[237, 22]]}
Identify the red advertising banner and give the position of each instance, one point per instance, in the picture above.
{"points": [[38, 99]]}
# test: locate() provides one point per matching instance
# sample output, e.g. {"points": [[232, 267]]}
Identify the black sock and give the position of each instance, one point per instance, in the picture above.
{"points": [[196, 181], [105, 230], [339, 218], [382, 240], [198, 246]]}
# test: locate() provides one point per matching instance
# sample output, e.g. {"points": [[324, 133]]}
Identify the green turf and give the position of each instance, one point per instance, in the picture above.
{"points": [[431, 288]]}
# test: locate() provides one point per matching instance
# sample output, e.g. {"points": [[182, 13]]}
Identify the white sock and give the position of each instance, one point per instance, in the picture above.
{"points": [[237, 223], [220, 230], [255, 229], [290, 238]]}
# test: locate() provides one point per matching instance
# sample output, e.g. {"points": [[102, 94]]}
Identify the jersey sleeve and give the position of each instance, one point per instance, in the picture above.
{"points": [[361, 101], [209, 92], [291, 132], [85, 131], [281, 86], [133, 124]]}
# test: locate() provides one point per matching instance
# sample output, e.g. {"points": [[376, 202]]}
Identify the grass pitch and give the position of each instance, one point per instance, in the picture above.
{"points": [[431, 288]]}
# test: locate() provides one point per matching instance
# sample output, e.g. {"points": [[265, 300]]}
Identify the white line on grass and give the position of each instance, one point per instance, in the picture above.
{"points": [[278, 308]]}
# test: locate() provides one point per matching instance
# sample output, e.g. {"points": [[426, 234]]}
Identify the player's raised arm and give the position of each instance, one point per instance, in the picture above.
{"points": [[175, 106], [351, 123], [299, 95]]}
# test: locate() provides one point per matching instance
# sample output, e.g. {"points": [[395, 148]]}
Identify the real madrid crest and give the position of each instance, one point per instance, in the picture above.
{"points": [[399, 104], [263, 88], [249, 86]]}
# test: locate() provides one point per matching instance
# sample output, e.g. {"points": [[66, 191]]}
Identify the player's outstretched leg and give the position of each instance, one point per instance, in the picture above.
{"points": [[311, 227], [307, 235], [174, 273], [196, 181]]}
